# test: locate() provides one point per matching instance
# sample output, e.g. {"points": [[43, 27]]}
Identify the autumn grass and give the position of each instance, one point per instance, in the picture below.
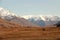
{"points": [[30, 33]]}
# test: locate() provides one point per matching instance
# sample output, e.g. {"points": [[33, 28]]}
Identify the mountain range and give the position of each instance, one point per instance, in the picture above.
{"points": [[42, 20], [9, 16], [29, 20]]}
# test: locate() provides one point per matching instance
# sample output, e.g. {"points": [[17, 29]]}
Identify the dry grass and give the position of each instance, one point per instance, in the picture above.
{"points": [[14, 31], [25, 33]]}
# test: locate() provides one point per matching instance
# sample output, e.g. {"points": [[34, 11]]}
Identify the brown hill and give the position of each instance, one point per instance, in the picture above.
{"points": [[7, 24], [14, 31]]}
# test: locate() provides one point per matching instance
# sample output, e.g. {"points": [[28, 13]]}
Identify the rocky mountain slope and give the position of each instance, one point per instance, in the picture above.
{"points": [[43, 20], [7, 15]]}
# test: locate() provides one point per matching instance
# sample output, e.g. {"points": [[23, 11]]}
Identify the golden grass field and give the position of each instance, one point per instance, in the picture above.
{"points": [[14, 31], [30, 33]]}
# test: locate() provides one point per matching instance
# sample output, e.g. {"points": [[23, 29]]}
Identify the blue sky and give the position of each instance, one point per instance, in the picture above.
{"points": [[32, 7]]}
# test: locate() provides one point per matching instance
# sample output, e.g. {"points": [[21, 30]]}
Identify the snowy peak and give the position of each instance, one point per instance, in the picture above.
{"points": [[11, 17], [43, 20], [4, 12]]}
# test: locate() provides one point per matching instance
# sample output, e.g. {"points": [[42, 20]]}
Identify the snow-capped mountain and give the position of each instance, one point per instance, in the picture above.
{"points": [[43, 20], [28, 20], [7, 15]]}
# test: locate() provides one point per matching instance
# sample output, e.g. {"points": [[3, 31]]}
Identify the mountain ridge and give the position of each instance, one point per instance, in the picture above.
{"points": [[43, 20], [30, 20], [7, 15]]}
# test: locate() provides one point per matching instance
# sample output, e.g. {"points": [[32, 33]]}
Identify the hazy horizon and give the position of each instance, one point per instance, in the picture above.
{"points": [[32, 7]]}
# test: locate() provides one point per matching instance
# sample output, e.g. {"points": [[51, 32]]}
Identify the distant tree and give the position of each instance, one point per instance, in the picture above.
{"points": [[58, 24]]}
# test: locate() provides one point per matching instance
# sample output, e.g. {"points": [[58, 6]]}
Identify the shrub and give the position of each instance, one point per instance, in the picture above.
{"points": [[58, 24]]}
